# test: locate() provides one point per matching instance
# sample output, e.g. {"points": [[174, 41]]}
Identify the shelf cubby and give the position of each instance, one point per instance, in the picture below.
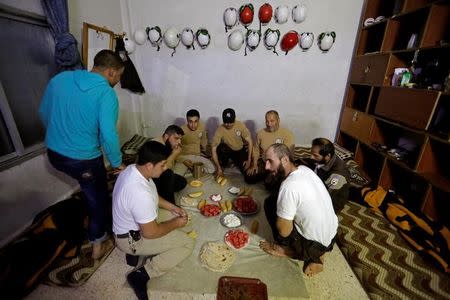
{"points": [[437, 205], [411, 5], [358, 96], [377, 8], [392, 136], [408, 185], [397, 60], [400, 29], [371, 38], [440, 123], [434, 163], [347, 141], [437, 29], [370, 161], [373, 99]]}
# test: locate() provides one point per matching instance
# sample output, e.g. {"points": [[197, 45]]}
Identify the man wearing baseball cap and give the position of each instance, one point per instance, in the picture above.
{"points": [[232, 140]]}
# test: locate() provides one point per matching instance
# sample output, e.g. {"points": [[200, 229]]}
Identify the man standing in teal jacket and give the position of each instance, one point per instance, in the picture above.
{"points": [[80, 111]]}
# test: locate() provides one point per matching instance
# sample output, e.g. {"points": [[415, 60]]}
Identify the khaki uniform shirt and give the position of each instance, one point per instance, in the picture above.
{"points": [[264, 139], [233, 137], [194, 141]]}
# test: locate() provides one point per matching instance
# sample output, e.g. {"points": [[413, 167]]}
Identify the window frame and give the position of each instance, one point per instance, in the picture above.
{"points": [[20, 153]]}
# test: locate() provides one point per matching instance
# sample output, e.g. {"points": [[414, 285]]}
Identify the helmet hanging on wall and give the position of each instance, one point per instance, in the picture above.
{"points": [[306, 40], [299, 13], [271, 38], [172, 38], [230, 18], [130, 46], [289, 41], [252, 38], [265, 13], [246, 13], [203, 38], [326, 40], [235, 40], [154, 36], [187, 38], [140, 36], [281, 14]]}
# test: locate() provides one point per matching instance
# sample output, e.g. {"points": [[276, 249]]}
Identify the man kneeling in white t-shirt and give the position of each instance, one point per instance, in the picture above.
{"points": [[302, 219], [135, 224]]}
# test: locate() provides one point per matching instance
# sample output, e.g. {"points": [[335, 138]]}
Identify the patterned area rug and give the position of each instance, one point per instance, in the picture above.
{"points": [[384, 263]]}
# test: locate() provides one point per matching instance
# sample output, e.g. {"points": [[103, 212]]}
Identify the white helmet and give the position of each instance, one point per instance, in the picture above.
{"points": [[187, 38], [281, 14], [172, 38], [326, 40], [235, 40], [130, 46], [299, 13], [252, 38], [306, 40], [203, 38], [230, 18], [154, 36], [140, 36], [271, 38]]}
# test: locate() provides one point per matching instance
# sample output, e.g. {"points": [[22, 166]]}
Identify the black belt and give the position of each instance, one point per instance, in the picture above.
{"points": [[135, 234], [123, 235]]}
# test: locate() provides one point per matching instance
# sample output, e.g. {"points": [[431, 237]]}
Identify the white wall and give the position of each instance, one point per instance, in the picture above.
{"points": [[306, 88]]}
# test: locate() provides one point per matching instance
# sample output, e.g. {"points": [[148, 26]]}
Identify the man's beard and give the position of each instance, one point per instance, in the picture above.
{"points": [[279, 175], [168, 146]]}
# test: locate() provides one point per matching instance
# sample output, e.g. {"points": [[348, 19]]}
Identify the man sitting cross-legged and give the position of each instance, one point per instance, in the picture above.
{"points": [[302, 219], [136, 207]]}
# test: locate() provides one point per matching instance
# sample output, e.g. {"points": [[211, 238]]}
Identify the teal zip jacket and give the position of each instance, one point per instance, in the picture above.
{"points": [[80, 111]]}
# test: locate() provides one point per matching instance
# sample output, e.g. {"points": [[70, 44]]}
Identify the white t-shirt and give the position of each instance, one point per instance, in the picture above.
{"points": [[135, 201], [304, 198]]}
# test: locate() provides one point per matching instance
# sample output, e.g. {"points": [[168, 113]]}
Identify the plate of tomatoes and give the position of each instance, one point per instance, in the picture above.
{"points": [[210, 210], [245, 205], [237, 239]]}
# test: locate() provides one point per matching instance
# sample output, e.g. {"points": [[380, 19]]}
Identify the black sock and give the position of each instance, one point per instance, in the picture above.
{"points": [[138, 281]]}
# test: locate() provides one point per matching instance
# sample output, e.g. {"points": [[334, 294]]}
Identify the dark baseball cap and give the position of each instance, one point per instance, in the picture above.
{"points": [[228, 115]]}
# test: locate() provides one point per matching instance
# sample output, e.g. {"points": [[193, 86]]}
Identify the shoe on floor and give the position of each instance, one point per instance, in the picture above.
{"points": [[138, 281]]}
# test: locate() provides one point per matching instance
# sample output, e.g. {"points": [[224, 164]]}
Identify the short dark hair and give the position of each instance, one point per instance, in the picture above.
{"points": [[193, 113], [174, 129], [229, 116], [326, 146], [152, 152], [282, 150], [108, 59]]}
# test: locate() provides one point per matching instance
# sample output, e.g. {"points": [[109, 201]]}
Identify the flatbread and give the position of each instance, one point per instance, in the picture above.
{"points": [[216, 256], [188, 201]]}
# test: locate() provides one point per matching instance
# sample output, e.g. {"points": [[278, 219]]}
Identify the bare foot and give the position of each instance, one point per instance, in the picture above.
{"points": [[275, 249], [99, 249]]}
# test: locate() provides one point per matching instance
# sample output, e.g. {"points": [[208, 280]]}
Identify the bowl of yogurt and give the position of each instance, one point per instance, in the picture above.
{"points": [[231, 220]]}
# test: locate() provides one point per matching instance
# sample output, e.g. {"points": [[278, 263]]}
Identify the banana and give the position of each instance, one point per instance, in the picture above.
{"points": [[219, 179], [196, 194], [229, 205], [223, 206], [224, 181], [196, 183], [201, 204]]}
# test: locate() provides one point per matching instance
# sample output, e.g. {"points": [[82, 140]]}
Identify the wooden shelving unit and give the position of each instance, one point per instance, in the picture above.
{"points": [[414, 34]]}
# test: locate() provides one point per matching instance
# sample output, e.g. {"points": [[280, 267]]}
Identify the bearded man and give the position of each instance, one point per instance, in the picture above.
{"points": [[302, 219]]}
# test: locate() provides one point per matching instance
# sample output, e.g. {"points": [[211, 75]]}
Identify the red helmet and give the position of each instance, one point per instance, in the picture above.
{"points": [[265, 13], [289, 41], [246, 14]]}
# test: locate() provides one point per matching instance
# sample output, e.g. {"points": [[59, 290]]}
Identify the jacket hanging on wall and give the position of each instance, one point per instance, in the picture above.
{"points": [[130, 78]]}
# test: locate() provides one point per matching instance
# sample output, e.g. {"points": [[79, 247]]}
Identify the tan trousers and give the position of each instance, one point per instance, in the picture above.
{"points": [[170, 250]]}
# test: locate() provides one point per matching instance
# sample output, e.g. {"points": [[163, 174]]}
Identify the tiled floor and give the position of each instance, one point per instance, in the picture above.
{"points": [[336, 282]]}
